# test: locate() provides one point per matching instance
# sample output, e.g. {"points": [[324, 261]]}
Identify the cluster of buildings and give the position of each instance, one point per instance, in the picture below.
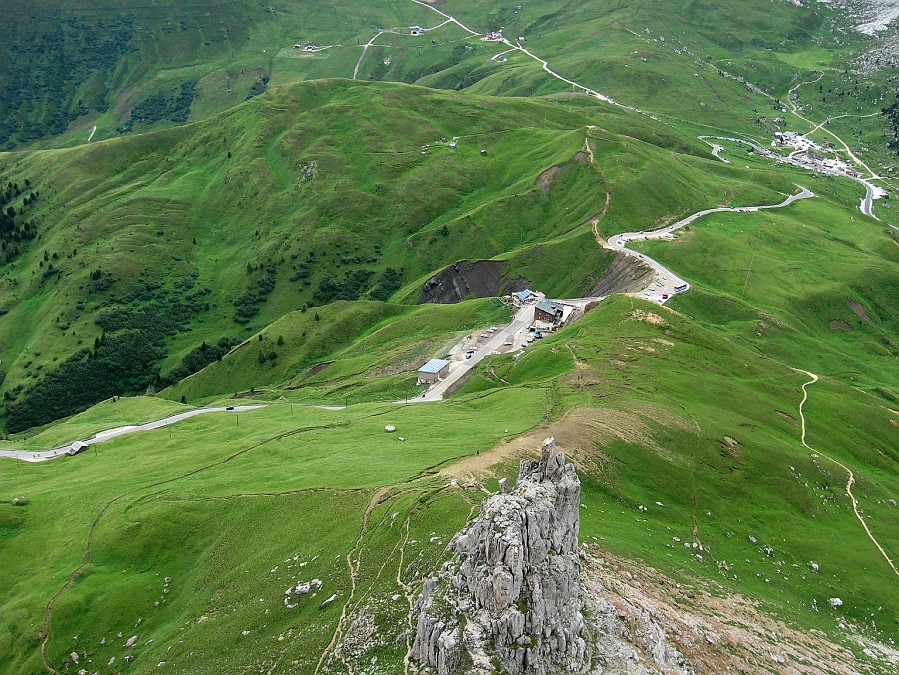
{"points": [[549, 315], [796, 141], [808, 154]]}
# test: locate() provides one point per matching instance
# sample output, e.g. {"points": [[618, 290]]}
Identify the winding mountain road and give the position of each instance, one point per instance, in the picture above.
{"points": [[46, 455], [871, 190], [667, 283]]}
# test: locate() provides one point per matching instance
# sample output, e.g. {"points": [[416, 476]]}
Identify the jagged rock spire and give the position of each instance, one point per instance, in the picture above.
{"points": [[510, 596]]}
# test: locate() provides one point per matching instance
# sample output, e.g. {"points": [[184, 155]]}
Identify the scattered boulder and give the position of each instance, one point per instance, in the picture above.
{"points": [[131, 641]]}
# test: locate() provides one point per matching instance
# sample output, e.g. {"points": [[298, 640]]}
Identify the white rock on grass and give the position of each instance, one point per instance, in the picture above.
{"points": [[131, 641], [303, 588], [835, 602]]}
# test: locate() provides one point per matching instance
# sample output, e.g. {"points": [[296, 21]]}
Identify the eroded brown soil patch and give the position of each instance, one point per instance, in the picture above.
{"points": [[545, 179], [839, 324], [859, 310], [787, 417], [580, 434]]}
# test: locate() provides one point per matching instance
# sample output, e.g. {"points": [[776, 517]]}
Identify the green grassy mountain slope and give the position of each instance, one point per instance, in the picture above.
{"points": [[150, 66], [812, 285], [178, 244], [272, 253], [716, 447], [326, 195]]}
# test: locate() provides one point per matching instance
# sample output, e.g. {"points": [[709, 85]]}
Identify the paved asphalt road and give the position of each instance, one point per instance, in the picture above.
{"points": [[525, 317], [665, 281], [867, 202], [44, 455]]}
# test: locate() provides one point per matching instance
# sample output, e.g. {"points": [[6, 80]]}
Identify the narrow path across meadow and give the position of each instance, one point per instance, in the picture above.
{"points": [[851, 481]]}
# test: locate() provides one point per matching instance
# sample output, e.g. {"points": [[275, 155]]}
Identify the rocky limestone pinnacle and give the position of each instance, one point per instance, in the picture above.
{"points": [[510, 596]]}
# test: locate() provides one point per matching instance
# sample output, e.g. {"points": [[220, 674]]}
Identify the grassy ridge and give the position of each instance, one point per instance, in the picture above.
{"points": [[621, 392], [290, 456], [364, 338], [326, 195], [718, 446]]}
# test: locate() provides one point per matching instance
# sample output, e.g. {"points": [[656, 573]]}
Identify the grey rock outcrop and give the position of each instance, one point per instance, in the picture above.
{"points": [[510, 596]]}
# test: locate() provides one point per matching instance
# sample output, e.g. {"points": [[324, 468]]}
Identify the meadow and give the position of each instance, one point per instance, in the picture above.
{"points": [[153, 247], [159, 533], [225, 251]]}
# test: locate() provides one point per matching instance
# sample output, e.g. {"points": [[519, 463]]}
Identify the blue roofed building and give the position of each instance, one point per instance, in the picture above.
{"points": [[527, 295], [433, 370]]}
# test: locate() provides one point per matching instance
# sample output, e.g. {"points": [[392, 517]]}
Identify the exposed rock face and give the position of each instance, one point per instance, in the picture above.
{"points": [[510, 596], [626, 274], [467, 279]]}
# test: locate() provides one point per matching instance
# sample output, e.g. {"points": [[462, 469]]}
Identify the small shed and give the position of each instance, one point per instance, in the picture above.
{"points": [[433, 370], [76, 447]]}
